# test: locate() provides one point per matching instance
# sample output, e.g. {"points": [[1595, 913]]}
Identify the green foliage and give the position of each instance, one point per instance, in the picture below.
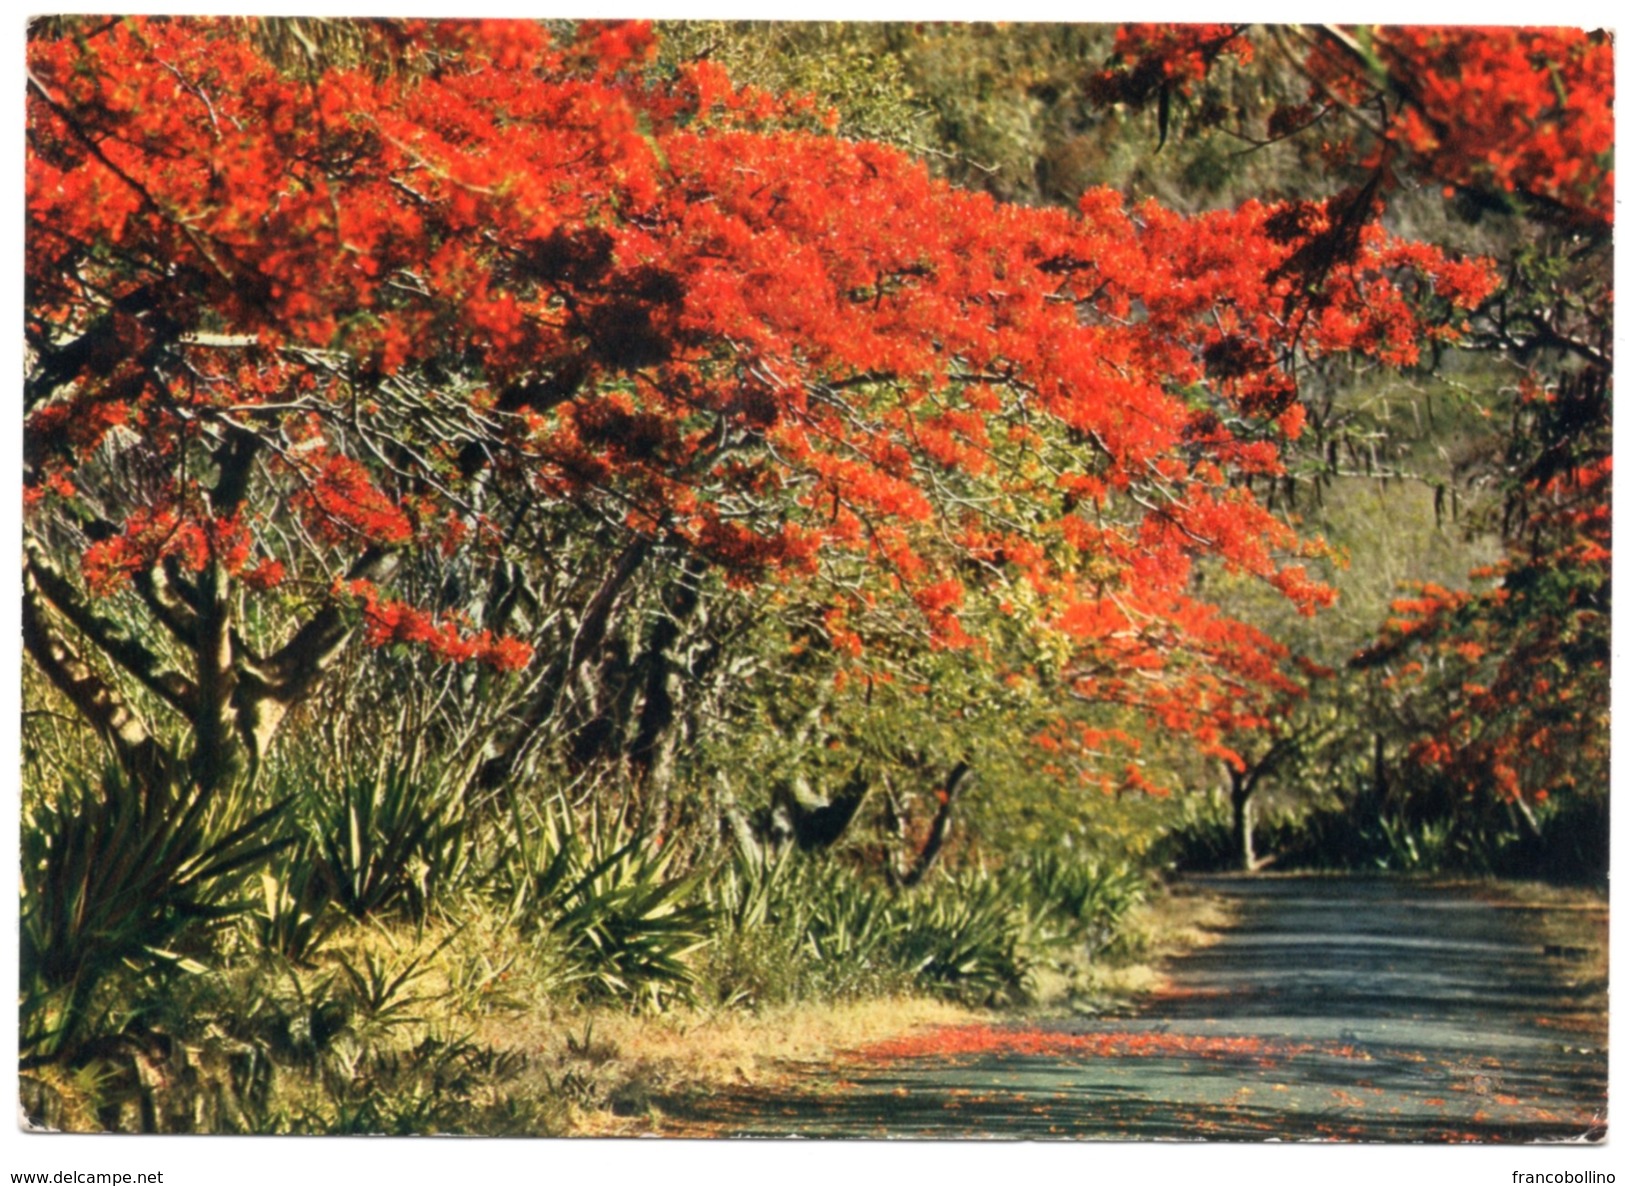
{"points": [[1072, 897], [796, 927], [433, 1087], [294, 914], [294, 1017], [1007, 108], [847, 68], [125, 876], [1425, 831], [378, 985], [847, 923], [365, 1062], [396, 837], [625, 922], [964, 939], [793, 927]]}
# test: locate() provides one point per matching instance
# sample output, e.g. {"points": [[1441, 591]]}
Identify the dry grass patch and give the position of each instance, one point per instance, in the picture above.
{"points": [[615, 1067]]}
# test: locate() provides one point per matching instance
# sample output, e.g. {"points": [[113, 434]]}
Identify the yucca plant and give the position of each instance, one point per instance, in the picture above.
{"points": [[757, 955], [1072, 898], [534, 857], [379, 988], [746, 891], [392, 838], [1426, 846], [627, 925], [848, 921], [126, 875], [964, 940], [294, 915]]}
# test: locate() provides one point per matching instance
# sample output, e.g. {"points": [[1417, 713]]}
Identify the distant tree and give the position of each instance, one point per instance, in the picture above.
{"points": [[1501, 691]]}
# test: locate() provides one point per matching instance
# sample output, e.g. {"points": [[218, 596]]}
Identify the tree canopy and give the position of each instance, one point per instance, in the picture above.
{"points": [[484, 338]]}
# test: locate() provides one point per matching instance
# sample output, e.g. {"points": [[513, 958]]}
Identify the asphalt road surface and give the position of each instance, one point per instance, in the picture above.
{"points": [[1347, 1008]]}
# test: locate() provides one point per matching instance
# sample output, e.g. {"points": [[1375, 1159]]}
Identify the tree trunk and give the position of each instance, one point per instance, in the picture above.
{"points": [[941, 825], [654, 748], [818, 826], [1241, 819]]}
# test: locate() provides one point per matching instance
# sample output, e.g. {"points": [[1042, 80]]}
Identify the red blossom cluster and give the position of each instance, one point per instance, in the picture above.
{"points": [[1518, 120], [1516, 672], [1148, 59], [542, 267], [390, 621], [1502, 110], [150, 537], [1511, 110]]}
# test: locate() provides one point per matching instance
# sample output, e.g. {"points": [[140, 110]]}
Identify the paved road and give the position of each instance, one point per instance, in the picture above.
{"points": [[1349, 1008]]}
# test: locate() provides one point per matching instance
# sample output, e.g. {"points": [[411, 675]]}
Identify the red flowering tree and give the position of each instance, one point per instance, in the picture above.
{"points": [[1504, 688], [1501, 690], [1508, 683], [449, 355]]}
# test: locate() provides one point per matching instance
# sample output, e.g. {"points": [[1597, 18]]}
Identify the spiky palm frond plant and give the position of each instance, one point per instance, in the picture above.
{"points": [[125, 876]]}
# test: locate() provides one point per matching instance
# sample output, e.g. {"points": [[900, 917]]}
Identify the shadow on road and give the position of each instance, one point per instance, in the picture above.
{"points": [[1348, 1008]]}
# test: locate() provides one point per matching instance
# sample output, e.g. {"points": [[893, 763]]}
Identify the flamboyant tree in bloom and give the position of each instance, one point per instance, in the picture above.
{"points": [[1503, 689], [1512, 114], [1506, 686], [1514, 674], [445, 355]]}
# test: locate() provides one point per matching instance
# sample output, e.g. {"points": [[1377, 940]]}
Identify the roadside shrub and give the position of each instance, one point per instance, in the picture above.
{"points": [[1570, 849], [798, 927], [396, 837], [441, 1084], [125, 878], [794, 926], [1074, 899], [625, 922], [759, 908], [1198, 840], [1436, 830], [964, 939]]}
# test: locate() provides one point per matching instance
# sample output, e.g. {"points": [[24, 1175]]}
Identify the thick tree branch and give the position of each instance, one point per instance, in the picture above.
{"points": [[109, 638], [941, 825], [254, 696], [157, 588], [296, 667], [97, 701], [235, 457], [588, 637]]}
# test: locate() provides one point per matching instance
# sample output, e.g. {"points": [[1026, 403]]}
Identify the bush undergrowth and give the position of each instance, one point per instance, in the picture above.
{"points": [[342, 959]]}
